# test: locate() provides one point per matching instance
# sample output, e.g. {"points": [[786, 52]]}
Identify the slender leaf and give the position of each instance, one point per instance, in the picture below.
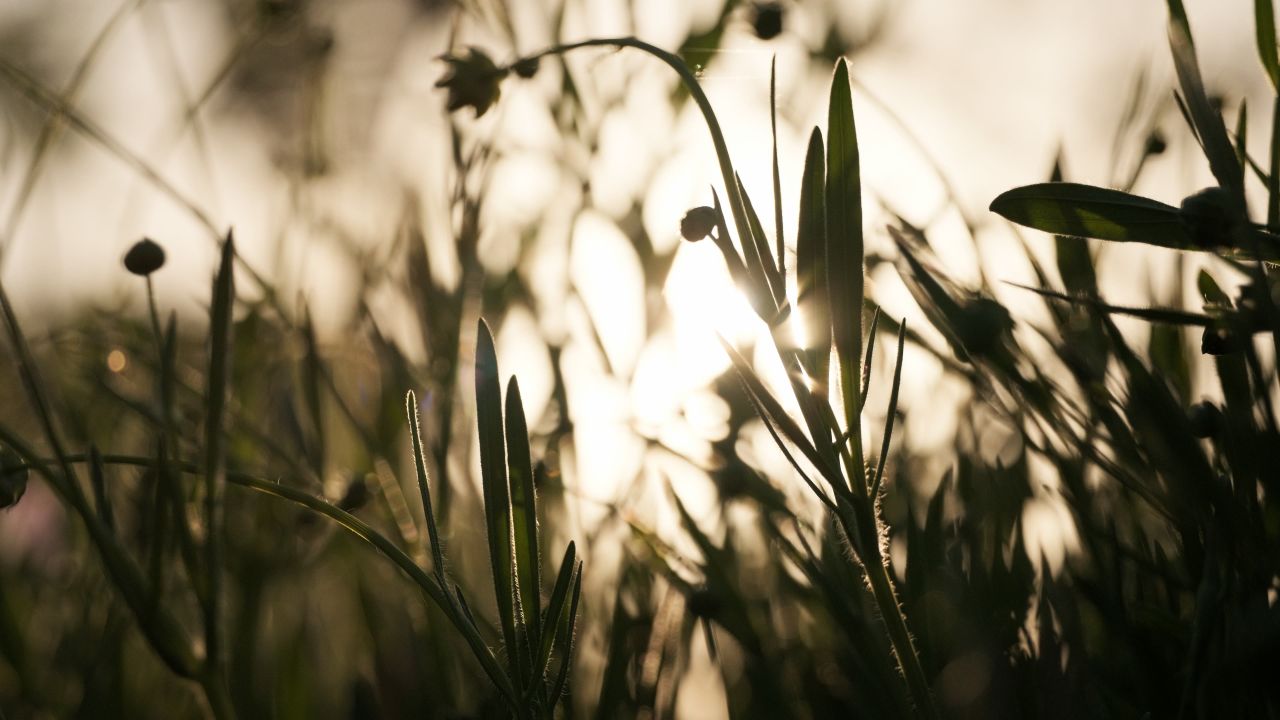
{"points": [[524, 514], [424, 487], [215, 454], [1166, 316], [1265, 20], [812, 297], [497, 500], [893, 410], [1093, 212], [777, 177], [1206, 121], [773, 279], [844, 241]]}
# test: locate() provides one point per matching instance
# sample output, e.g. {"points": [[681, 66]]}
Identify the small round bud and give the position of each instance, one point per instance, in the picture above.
{"points": [[1208, 215], [1205, 419], [768, 20], [698, 223], [1156, 143], [144, 258], [13, 478], [526, 67]]}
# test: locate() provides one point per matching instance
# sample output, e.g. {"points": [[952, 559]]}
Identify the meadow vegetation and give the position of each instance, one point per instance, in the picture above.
{"points": [[247, 522]]}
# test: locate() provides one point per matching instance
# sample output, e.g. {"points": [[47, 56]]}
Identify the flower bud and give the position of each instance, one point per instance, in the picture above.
{"points": [[698, 223], [144, 258]]}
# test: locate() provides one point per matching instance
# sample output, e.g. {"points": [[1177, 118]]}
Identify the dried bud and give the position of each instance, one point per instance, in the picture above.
{"points": [[526, 67], [472, 79], [1205, 419], [13, 478], [1209, 216], [144, 258], [698, 223], [768, 20]]}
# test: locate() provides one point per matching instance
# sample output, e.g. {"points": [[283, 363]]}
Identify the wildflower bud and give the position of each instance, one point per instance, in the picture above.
{"points": [[768, 20], [698, 223], [472, 79], [526, 67], [13, 478], [144, 258], [1205, 419], [1209, 216], [1156, 144]]}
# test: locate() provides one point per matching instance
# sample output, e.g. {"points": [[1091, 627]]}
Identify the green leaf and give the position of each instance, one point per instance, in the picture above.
{"points": [[424, 488], [893, 410], [1205, 121], [524, 514], [760, 254], [565, 637], [555, 608], [1273, 177], [497, 500], [813, 298], [1093, 212], [844, 240], [215, 452], [1265, 19]]}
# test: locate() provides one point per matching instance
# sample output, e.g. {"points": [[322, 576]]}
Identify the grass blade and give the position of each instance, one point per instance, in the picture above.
{"points": [[777, 178], [215, 450], [424, 488], [844, 244], [812, 292], [1265, 18], [1206, 122], [524, 515], [555, 608], [893, 410]]}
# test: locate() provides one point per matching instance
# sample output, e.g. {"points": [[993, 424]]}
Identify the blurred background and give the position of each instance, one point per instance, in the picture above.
{"points": [[375, 227]]}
